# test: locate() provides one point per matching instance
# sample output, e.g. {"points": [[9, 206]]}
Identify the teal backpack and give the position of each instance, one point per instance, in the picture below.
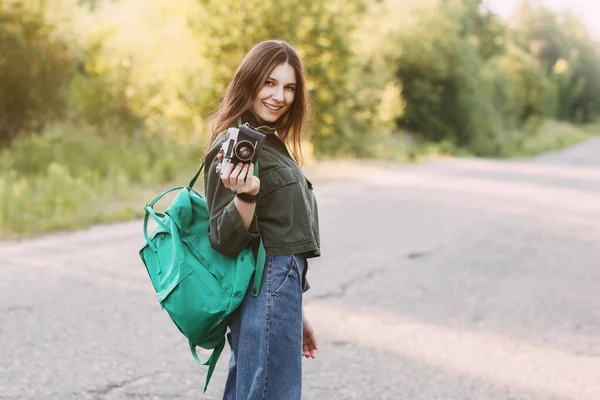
{"points": [[197, 286]]}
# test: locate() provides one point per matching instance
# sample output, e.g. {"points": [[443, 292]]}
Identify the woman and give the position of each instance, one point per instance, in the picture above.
{"points": [[268, 334]]}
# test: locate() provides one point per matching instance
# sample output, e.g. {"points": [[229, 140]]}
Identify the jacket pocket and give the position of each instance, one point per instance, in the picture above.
{"points": [[276, 179]]}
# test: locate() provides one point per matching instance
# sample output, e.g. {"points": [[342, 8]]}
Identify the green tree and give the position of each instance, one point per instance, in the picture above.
{"points": [[438, 67], [34, 67], [141, 74], [562, 46]]}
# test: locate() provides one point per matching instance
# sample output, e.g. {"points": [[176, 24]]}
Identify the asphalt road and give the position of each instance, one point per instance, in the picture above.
{"points": [[455, 279]]}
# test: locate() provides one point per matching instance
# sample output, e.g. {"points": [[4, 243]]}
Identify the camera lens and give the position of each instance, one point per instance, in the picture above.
{"points": [[244, 150]]}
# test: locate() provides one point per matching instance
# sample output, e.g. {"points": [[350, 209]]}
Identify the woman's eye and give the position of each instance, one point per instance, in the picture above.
{"points": [[291, 88], [269, 83]]}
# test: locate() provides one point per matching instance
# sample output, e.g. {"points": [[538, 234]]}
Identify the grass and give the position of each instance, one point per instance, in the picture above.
{"points": [[62, 181], [592, 129], [552, 135], [549, 135]]}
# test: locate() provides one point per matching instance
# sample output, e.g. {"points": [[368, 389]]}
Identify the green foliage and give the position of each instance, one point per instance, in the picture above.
{"points": [[521, 90], [547, 136], [439, 66], [62, 179], [141, 70], [443, 69], [99, 90], [562, 46], [462, 78], [34, 67]]}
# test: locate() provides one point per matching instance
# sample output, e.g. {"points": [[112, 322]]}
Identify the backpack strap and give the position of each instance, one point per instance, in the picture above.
{"points": [[212, 360], [261, 257], [158, 217], [195, 178]]}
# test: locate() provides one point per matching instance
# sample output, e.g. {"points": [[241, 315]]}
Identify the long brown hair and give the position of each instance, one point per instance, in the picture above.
{"points": [[247, 82]]}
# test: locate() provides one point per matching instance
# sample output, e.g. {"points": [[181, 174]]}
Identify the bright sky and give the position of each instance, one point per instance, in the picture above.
{"points": [[587, 10]]}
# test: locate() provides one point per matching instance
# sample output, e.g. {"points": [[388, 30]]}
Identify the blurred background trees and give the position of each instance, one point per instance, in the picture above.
{"points": [[387, 79], [439, 70], [35, 70]]}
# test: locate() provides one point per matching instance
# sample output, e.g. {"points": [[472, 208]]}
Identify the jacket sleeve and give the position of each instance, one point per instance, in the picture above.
{"points": [[226, 230]]}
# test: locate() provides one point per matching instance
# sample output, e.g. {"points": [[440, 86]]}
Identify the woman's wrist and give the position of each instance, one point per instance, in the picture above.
{"points": [[246, 211], [252, 192]]}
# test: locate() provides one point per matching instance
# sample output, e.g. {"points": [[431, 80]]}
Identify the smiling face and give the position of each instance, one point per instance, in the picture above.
{"points": [[277, 94]]}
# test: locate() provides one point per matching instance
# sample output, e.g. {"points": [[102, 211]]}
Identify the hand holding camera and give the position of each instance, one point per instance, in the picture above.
{"points": [[236, 158], [240, 178]]}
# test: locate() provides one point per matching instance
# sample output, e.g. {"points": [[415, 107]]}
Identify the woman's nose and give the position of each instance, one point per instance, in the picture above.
{"points": [[278, 94]]}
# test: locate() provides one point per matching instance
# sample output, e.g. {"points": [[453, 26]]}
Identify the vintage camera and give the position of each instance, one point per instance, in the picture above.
{"points": [[243, 144]]}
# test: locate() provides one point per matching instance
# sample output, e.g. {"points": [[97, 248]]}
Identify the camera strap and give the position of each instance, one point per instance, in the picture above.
{"points": [[257, 128]]}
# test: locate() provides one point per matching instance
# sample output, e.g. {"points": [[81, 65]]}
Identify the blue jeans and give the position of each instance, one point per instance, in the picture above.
{"points": [[265, 335]]}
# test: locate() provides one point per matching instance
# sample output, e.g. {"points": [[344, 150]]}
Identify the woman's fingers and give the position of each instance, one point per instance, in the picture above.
{"points": [[225, 175], [312, 347], [309, 340], [309, 349], [231, 180], [252, 182], [240, 178]]}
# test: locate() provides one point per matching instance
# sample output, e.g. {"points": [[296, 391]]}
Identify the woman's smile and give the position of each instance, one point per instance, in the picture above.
{"points": [[271, 107]]}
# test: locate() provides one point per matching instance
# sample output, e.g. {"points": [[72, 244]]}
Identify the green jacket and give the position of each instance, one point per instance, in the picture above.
{"points": [[286, 209]]}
